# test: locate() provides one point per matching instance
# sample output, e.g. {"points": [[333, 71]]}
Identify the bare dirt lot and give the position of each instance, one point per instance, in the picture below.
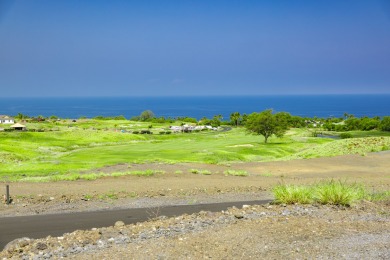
{"points": [[270, 232]]}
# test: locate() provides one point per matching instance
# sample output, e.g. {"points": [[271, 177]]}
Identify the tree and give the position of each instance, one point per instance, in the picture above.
{"points": [[267, 124], [235, 117], [385, 124], [145, 115], [21, 116], [216, 121]]}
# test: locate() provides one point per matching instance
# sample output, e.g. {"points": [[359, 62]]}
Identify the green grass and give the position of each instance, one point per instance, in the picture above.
{"points": [[378, 196], [292, 194], [339, 193], [204, 172], [90, 144], [241, 173], [360, 146], [267, 174], [88, 176], [328, 192]]}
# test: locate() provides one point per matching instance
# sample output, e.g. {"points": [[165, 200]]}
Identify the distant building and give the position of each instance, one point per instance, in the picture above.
{"points": [[18, 126], [4, 119]]}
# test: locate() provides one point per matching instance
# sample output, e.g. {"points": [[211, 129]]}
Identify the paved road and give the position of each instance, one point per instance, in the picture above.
{"points": [[39, 226]]}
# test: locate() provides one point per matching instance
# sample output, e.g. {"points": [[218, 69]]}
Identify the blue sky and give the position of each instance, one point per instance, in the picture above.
{"points": [[183, 48]]}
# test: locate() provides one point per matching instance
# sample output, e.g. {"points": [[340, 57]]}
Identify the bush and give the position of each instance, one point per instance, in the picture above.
{"points": [[345, 135], [135, 132], [385, 124]]}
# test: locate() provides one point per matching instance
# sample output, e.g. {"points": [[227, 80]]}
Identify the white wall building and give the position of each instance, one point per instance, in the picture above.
{"points": [[6, 120]]}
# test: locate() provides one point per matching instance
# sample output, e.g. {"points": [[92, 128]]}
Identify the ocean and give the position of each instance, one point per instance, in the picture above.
{"points": [[323, 106]]}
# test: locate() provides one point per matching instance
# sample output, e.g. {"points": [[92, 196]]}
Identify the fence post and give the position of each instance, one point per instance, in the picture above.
{"points": [[7, 194]]}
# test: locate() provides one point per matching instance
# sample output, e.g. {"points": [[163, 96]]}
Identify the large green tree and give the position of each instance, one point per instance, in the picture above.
{"points": [[267, 123], [146, 115]]}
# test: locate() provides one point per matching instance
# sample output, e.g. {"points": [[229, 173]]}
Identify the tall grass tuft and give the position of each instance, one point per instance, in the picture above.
{"points": [[292, 194], [328, 192], [339, 193]]}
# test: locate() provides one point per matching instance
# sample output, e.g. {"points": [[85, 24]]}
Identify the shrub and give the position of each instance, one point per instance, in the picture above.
{"points": [[385, 124], [135, 132], [345, 135]]}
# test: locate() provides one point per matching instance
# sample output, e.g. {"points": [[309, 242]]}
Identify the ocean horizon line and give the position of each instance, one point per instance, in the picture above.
{"points": [[197, 107], [201, 96]]}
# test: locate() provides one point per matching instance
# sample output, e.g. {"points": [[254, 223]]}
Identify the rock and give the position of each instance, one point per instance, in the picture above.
{"points": [[41, 246], [17, 243], [119, 224]]}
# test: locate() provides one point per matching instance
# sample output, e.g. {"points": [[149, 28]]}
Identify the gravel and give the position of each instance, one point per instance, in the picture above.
{"points": [[253, 231]]}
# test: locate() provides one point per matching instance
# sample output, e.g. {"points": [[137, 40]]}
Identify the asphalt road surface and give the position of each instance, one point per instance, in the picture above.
{"points": [[40, 226]]}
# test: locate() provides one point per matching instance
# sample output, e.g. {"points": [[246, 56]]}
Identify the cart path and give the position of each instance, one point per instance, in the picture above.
{"points": [[40, 226]]}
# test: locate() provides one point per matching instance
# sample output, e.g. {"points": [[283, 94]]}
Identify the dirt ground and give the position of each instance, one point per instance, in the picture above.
{"points": [[348, 233], [30, 198]]}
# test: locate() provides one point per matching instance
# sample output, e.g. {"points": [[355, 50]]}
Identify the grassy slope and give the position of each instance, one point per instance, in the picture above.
{"points": [[80, 146], [359, 146]]}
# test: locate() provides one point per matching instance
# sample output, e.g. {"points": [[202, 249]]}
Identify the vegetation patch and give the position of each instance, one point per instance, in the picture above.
{"points": [[67, 147], [236, 173], [328, 192], [204, 172], [359, 146], [292, 194], [339, 193], [267, 174]]}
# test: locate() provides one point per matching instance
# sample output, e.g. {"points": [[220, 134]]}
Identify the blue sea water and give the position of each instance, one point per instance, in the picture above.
{"points": [[305, 105]]}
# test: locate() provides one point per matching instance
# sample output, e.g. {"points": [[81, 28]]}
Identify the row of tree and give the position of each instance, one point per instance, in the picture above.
{"points": [[362, 124]]}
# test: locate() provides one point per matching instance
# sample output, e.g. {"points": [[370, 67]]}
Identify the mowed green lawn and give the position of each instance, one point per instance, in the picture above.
{"points": [[79, 148]]}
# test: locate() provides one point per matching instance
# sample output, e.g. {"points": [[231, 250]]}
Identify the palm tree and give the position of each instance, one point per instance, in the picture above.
{"points": [[235, 117]]}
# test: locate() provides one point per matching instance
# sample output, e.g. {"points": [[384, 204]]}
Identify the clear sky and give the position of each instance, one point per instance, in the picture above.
{"points": [[199, 47]]}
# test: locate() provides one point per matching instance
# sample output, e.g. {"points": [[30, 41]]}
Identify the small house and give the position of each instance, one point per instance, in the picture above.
{"points": [[4, 119]]}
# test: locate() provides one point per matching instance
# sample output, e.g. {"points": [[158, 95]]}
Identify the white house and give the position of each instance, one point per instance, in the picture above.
{"points": [[6, 120]]}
